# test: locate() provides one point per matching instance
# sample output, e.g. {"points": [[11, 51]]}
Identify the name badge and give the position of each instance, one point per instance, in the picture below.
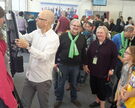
{"points": [[95, 60]]}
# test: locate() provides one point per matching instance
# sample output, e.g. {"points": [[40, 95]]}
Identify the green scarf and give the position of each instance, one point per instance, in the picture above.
{"points": [[73, 51], [124, 45]]}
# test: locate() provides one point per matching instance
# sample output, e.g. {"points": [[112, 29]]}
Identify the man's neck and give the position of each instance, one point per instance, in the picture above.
{"points": [[45, 30]]}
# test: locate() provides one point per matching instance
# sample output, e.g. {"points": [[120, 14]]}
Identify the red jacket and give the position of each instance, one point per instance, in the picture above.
{"points": [[6, 82]]}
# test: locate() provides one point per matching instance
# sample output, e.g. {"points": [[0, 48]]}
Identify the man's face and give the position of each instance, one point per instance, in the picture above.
{"points": [[129, 34], [75, 27], [88, 27], [41, 21]]}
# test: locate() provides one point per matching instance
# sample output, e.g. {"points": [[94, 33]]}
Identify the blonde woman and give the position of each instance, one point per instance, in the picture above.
{"points": [[101, 61]]}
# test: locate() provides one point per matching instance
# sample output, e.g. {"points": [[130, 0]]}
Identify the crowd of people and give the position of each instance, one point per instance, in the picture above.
{"points": [[93, 45]]}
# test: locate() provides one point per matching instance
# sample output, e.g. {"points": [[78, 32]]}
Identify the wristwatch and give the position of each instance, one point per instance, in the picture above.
{"points": [[28, 48], [112, 70]]}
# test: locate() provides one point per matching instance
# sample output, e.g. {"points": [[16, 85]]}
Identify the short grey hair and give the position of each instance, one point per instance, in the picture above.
{"points": [[129, 28], [75, 20]]}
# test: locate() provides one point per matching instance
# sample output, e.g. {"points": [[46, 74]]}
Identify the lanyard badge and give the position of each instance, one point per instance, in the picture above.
{"points": [[95, 60]]}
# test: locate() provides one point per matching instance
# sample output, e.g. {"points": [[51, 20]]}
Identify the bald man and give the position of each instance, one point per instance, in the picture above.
{"points": [[42, 45]]}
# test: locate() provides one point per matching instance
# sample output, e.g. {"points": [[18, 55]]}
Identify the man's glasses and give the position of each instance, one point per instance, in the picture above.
{"points": [[75, 25], [41, 19]]}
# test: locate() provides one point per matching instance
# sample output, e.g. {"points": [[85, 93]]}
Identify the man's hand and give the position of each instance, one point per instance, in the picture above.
{"points": [[22, 43], [110, 73], [86, 69], [55, 67]]}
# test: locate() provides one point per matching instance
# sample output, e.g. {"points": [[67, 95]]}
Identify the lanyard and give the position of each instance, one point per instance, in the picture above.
{"points": [[124, 44], [124, 41]]}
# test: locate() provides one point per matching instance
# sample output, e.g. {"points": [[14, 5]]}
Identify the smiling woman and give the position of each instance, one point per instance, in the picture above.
{"points": [[101, 61], [102, 33]]}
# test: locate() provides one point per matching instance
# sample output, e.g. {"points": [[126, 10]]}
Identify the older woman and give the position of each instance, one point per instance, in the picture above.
{"points": [[7, 99], [101, 60]]}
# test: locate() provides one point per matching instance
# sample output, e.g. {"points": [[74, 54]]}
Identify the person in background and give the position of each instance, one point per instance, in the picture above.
{"points": [[129, 21], [97, 22], [63, 24], [7, 99], [122, 21], [71, 54], [90, 37], [106, 23], [88, 33], [100, 63], [83, 19], [55, 24], [75, 16], [132, 40], [112, 25], [31, 24], [118, 27], [91, 20], [21, 23], [112, 28], [44, 43]]}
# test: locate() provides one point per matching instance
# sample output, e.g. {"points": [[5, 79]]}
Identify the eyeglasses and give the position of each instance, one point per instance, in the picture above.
{"points": [[41, 19], [127, 53], [75, 25]]}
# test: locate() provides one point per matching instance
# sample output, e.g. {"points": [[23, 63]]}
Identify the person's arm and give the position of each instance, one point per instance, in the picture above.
{"points": [[86, 62], [51, 48], [114, 59], [84, 58], [125, 94], [29, 36], [131, 94]]}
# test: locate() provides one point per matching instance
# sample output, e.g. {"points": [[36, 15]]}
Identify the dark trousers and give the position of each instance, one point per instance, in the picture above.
{"points": [[67, 71]]}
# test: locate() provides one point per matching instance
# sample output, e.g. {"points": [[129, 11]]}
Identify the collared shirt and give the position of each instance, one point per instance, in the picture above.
{"points": [[42, 55]]}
